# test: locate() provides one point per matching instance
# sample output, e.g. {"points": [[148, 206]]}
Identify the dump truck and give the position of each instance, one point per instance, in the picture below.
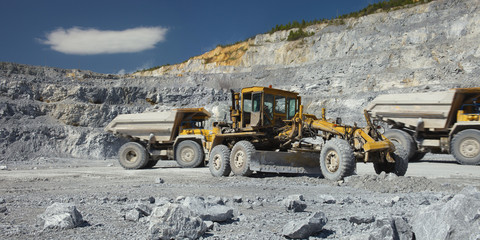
{"points": [[437, 122], [268, 131], [178, 134]]}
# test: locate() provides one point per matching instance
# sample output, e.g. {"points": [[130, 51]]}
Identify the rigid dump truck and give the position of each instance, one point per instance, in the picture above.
{"points": [[178, 134], [437, 122], [267, 132]]}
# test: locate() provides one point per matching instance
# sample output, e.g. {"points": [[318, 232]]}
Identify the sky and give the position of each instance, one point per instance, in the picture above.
{"points": [[123, 36]]}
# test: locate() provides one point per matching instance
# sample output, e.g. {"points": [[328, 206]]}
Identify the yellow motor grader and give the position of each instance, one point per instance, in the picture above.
{"points": [[269, 132]]}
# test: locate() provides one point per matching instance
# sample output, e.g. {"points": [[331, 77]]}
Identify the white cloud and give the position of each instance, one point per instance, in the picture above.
{"points": [[93, 41]]}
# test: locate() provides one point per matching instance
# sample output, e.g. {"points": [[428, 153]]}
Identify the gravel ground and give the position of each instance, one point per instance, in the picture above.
{"points": [[102, 192]]}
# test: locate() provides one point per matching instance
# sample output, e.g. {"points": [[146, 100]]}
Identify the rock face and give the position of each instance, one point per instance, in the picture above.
{"points": [[459, 218], [434, 46], [61, 216]]}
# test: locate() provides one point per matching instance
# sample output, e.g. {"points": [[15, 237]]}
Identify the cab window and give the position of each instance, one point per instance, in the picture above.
{"points": [[256, 102], [280, 104], [292, 108]]}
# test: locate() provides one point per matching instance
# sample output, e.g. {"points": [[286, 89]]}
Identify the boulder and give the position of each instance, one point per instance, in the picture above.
{"points": [[295, 203], [458, 218], [208, 211], [61, 216], [175, 221], [361, 219], [304, 228], [387, 229]]}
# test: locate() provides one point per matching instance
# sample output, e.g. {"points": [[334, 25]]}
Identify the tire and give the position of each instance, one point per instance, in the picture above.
{"points": [[417, 156], [151, 164], [399, 167], [219, 161], [189, 154], [465, 147], [240, 158], [132, 155], [337, 160], [396, 135]]}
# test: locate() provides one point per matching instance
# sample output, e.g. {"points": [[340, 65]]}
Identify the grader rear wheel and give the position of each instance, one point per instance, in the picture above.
{"points": [[337, 160]]}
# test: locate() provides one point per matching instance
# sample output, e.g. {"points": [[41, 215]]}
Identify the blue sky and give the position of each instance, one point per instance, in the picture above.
{"points": [[124, 36]]}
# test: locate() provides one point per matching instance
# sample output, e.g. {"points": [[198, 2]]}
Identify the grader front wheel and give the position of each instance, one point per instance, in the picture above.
{"points": [[219, 161], [337, 160], [399, 167], [240, 158]]}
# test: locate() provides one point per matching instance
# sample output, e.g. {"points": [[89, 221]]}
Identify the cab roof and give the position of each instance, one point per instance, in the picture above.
{"points": [[269, 90]]}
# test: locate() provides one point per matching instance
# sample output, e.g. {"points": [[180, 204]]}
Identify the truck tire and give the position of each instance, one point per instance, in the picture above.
{"points": [[240, 158], [219, 161], [417, 156], [337, 160], [132, 155], [397, 135], [399, 167], [151, 164], [189, 154], [465, 147]]}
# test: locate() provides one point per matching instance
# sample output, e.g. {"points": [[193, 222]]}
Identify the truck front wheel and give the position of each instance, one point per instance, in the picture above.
{"points": [[465, 147], [189, 154], [337, 160], [132, 155]]}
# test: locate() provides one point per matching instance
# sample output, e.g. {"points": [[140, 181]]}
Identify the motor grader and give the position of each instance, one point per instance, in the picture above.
{"points": [[269, 132]]}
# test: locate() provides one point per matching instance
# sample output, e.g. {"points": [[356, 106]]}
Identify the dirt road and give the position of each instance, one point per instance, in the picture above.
{"points": [[102, 191]]}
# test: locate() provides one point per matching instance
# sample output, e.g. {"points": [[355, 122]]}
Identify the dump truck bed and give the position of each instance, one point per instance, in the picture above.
{"points": [[141, 125], [163, 125], [437, 109], [433, 108]]}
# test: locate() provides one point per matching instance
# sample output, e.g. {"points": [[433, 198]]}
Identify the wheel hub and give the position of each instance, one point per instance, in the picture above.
{"points": [[217, 162], [470, 148], [131, 156], [188, 154], [239, 159], [332, 161]]}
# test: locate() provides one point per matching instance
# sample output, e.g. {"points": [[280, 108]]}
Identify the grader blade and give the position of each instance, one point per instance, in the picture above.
{"points": [[286, 162]]}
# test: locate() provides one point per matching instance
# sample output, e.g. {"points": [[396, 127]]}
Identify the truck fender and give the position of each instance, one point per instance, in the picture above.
{"points": [[457, 127]]}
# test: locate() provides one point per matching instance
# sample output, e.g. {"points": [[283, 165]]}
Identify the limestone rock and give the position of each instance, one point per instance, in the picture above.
{"points": [[459, 218], [304, 228], [295, 203], [175, 221], [61, 216], [208, 211]]}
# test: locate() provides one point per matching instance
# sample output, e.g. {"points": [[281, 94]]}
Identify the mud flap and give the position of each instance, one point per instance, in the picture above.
{"points": [[286, 162]]}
